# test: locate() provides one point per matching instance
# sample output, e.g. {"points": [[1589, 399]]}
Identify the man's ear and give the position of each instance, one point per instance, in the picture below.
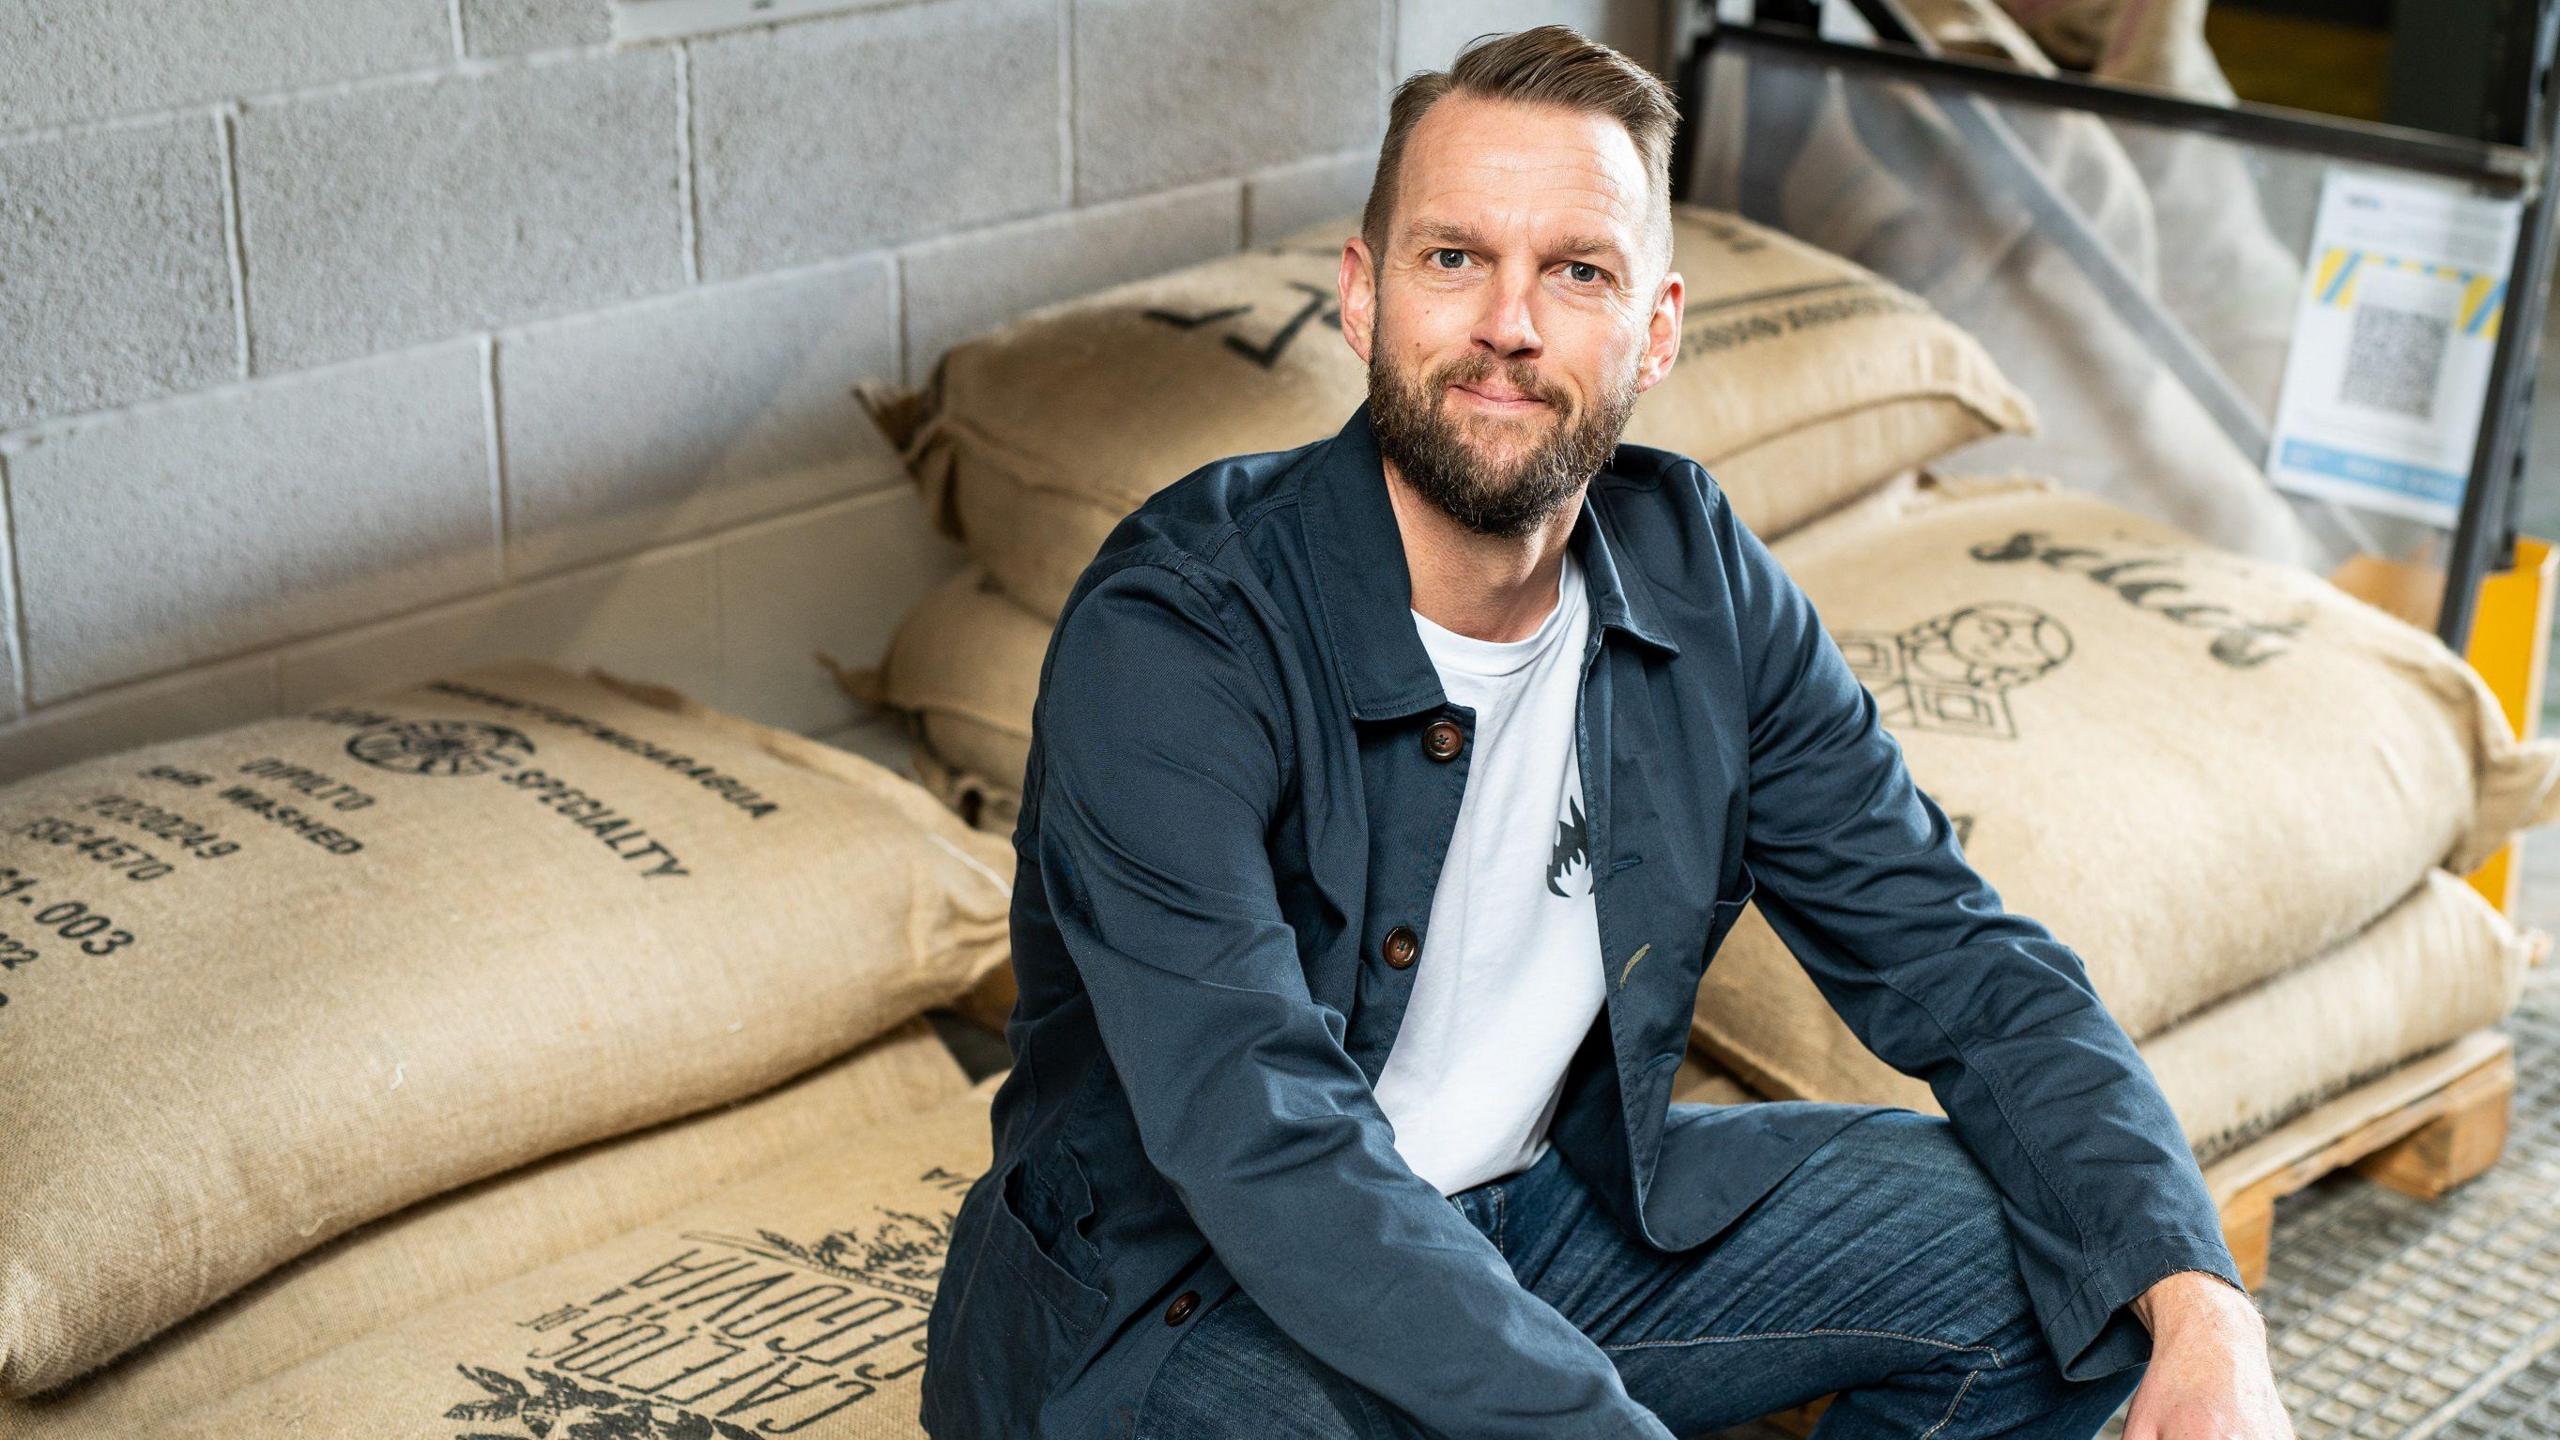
{"points": [[1662, 332], [1358, 290]]}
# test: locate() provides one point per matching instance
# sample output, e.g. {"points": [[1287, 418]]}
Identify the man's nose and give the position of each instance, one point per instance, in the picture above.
{"points": [[1505, 323]]}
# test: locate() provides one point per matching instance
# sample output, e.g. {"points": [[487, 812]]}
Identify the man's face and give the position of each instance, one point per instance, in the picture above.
{"points": [[1516, 313]]}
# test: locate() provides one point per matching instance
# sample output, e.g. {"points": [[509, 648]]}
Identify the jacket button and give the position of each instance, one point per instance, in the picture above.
{"points": [[1181, 1308], [1401, 947], [1443, 739]]}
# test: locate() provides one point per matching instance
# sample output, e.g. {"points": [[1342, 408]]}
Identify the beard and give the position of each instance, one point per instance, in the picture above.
{"points": [[1480, 468]]}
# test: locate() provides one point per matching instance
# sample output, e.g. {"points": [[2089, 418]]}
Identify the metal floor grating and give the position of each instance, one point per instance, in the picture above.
{"points": [[2391, 1318]]}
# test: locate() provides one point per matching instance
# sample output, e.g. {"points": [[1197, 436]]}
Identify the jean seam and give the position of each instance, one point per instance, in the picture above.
{"points": [[1806, 1334], [1969, 1378]]}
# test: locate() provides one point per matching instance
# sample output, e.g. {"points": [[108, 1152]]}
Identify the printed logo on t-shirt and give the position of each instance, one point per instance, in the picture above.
{"points": [[1570, 866]]}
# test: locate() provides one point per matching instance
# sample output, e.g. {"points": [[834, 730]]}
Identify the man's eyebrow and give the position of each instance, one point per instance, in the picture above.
{"points": [[1451, 233]]}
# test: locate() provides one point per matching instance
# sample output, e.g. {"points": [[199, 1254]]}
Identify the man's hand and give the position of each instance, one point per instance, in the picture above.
{"points": [[2208, 1378]]}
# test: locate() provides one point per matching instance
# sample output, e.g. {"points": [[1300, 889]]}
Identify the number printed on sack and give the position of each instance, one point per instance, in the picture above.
{"points": [[121, 854], [70, 919]]}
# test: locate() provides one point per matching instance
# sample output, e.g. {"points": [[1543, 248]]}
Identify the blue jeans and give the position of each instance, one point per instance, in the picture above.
{"points": [[1879, 1271]]}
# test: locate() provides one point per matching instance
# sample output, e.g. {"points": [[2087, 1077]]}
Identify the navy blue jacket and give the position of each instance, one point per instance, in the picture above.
{"points": [[1229, 805]]}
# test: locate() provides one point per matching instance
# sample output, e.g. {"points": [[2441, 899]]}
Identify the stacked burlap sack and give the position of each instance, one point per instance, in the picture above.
{"points": [[793, 1302], [318, 1024], [2243, 796], [1803, 381]]}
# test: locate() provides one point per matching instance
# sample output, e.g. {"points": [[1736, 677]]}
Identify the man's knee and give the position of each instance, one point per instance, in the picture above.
{"points": [[1942, 1209], [1919, 1162]]}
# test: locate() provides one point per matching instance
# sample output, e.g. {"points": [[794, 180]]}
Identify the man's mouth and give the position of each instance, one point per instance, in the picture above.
{"points": [[1496, 397]]}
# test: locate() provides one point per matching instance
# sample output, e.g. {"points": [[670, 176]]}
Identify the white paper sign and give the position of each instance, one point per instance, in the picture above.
{"points": [[2389, 371]]}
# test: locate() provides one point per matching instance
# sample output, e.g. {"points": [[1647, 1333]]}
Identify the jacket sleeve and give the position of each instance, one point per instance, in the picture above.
{"points": [[1859, 872], [1162, 753]]}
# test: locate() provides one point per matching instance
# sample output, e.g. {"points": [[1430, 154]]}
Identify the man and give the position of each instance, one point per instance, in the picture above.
{"points": [[1387, 798]]}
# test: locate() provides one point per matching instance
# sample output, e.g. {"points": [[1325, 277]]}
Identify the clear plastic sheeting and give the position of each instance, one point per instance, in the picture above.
{"points": [[2138, 282]]}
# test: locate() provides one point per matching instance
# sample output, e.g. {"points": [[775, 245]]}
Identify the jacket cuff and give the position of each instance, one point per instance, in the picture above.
{"points": [[2097, 1332]]}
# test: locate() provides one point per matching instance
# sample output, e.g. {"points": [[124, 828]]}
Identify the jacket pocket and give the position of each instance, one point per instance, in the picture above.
{"points": [[1012, 1239]]}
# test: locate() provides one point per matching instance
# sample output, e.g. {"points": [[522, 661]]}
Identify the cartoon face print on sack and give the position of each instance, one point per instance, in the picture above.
{"points": [[1953, 673]]}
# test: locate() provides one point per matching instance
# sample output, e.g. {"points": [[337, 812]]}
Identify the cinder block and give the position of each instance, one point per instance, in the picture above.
{"points": [[513, 27], [115, 282], [1429, 33], [838, 578], [1291, 198], [170, 707], [829, 137], [400, 214], [962, 284], [650, 618], [62, 61], [202, 527], [1169, 91], [671, 418]]}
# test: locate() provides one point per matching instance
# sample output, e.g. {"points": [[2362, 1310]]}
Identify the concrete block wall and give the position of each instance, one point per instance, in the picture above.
{"points": [[346, 340]]}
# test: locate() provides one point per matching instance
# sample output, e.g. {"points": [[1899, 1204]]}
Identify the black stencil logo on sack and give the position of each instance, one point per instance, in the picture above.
{"points": [[1952, 674], [2237, 641], [481, 747], [540, 1408], [1267, 352], [441, 747], [733, 1337]]}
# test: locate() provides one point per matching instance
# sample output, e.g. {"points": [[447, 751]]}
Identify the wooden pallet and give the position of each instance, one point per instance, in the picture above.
{"points": [[2421, 1129]]}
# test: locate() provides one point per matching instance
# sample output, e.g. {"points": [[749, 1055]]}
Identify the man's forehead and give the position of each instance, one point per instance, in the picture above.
{"points": [[1495, 171]]}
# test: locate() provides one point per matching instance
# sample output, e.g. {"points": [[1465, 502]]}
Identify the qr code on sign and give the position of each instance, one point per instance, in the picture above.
{"points": [[2393, 358]]}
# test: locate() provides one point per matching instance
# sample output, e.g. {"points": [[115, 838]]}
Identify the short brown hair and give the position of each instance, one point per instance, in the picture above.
{"points": [[1548, 65]]}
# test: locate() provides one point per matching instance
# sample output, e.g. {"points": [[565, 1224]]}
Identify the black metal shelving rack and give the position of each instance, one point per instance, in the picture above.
{"points": [[2512, 154]]}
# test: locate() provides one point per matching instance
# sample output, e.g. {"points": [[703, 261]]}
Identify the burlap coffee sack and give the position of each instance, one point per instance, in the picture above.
{"points": [[275, 982], [1700, 1081], [2439, 964], [792, 1303], [963, 672], [980, 802], [2195, 767], [469, 1239], [1802, 379], [964, 666]]}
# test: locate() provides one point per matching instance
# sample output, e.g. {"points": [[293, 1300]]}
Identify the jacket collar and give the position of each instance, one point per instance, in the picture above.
{"points": [[1366, 590]]}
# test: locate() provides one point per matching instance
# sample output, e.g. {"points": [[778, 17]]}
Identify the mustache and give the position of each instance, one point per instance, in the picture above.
{"points": [[1483, 368]]}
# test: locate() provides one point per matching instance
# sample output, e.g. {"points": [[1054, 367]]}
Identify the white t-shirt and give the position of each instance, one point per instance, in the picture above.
{"points": [[1510, 975]]}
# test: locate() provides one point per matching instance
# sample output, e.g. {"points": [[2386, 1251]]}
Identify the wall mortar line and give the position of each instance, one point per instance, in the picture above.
{"points": [[235, 241], [1067, 103], [11, 590], [474, 68], [497, 458], [688, 187]]}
